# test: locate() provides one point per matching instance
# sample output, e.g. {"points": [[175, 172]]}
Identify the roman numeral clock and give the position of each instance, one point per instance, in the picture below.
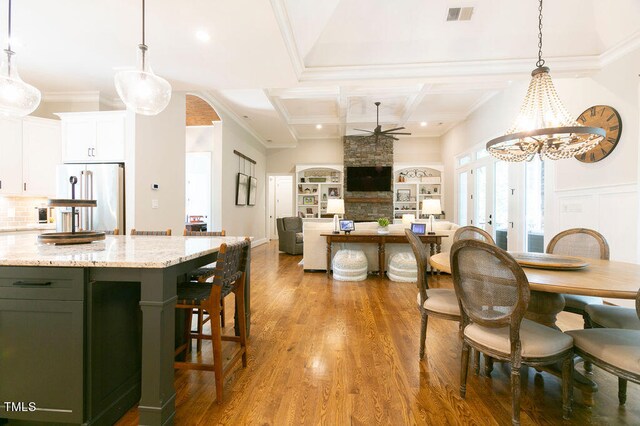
{"points": [[608, 118]]}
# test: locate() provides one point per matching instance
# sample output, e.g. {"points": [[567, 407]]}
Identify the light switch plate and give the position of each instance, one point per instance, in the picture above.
{"points": [[154, 204]]}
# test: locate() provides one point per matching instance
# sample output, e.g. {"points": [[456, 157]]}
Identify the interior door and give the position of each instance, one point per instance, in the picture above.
{"points": [[280, 201]]}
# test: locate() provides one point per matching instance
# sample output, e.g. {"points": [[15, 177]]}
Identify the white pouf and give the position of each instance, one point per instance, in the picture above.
{"points": [[350, 265], [403, 268]]}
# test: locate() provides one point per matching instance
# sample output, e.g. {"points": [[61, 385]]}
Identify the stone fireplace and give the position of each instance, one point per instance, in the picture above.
{"points": [[362, 151]]}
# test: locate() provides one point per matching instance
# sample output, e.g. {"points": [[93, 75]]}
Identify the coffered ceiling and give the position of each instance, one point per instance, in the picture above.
{"points": [[283, 67]]}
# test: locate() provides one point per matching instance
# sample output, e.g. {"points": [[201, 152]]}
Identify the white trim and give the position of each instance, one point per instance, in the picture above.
{"points": [[609, 189], [621, 49], [282, 18], [261, 241], [92, 96]]}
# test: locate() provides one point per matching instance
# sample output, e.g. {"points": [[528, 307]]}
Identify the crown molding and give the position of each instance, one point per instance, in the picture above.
{"points": [[284, 22], [626, 46], [93, 96]]}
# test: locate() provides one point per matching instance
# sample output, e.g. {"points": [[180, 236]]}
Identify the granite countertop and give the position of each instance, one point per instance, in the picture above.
{"points": [[121, 251], [34, 227]]}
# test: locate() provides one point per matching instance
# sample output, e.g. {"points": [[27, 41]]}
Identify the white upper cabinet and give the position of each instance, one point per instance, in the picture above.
{"points": [[94, 137], [41, 153], [10, 156]]}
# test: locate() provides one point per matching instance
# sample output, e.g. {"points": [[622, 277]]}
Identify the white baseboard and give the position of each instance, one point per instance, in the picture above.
{"points": [[261, 241]]}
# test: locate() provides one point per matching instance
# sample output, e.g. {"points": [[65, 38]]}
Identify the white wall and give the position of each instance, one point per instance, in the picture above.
{"points": [[603, 195], [48, 109], [160, 158], [414, 150]]}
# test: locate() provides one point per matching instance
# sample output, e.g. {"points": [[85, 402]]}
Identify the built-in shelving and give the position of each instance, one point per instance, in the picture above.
{"points": [[414, 184], [315, 185]]}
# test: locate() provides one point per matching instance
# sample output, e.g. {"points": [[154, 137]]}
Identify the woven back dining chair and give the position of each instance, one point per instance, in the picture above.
{"points": [[437, 302], [494, 295], [153, 233], [472, 233]]}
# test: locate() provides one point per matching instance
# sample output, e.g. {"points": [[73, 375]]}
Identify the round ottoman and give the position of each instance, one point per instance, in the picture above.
{"points": [[403, 268], [350, 265]]}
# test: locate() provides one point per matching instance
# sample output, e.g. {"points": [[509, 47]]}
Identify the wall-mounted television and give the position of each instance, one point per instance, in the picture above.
{"points": [[369, 178]]}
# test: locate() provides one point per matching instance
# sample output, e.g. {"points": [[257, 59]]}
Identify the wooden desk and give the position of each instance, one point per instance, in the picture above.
{"points": [[434, 241]]}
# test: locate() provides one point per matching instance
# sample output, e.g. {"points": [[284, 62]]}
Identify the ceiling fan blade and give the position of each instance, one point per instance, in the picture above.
{"points": [[401, 133], [362, 130], [394, 138], [392, 130]]}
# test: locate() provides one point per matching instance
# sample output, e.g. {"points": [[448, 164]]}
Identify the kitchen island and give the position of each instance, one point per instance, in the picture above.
{"points": [[86, 331]]}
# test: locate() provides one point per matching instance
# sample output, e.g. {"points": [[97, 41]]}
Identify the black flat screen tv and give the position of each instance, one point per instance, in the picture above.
{"points": [[369, 178]]}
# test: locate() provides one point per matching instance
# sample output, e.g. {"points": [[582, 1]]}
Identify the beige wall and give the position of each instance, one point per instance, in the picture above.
{"points": [[160, 158], [330, 151]]}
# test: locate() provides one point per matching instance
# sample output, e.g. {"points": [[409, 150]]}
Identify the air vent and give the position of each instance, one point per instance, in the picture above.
{"points": [[459, 13]]}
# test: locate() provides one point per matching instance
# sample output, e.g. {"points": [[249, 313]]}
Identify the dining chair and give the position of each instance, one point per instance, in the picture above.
{"points": [[201, 275], [436, 302], [614, 350], [229, 277], [580, 242], [608, 316], [152, 233], [494, 295], [473, 233]]}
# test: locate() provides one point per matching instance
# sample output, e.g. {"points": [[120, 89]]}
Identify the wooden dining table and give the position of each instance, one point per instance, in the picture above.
{"points": [[603, 278]]}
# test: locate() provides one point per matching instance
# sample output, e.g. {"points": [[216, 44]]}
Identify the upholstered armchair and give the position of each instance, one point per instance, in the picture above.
{"points": [[290, 234]]}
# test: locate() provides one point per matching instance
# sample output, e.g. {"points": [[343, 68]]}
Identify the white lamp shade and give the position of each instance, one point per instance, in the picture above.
{"points": [[431, 206], [335, 206], [407, 219]]}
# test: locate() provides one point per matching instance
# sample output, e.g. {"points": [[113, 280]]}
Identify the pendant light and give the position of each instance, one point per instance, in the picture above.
{"points": [[17, 98], [141, 90], [543, 126]]}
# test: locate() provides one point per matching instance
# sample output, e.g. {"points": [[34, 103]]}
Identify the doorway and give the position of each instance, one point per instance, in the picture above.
{"points": [[280, 201]]}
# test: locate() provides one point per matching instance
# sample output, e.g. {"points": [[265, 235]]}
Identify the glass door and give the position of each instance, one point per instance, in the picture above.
{"points": [[534, 206], [463, 196]]}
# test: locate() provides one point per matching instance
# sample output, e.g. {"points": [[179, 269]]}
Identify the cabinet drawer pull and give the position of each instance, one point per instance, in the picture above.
{"points": [[32, 283]]}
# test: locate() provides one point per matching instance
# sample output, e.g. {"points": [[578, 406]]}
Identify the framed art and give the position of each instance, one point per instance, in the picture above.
{"points": [[253, 188], [403, 195], [308, 200], [347, 226], [334, 192], [242, 189]]}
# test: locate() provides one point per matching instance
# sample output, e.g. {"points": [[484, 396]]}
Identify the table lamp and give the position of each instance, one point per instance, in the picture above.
{"points": [[335, 206], [408, 219], [431, 206]]}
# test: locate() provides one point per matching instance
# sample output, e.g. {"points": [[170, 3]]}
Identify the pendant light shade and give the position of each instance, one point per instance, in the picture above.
{"points": [[544, 126], [140, 89], [17, 98]]}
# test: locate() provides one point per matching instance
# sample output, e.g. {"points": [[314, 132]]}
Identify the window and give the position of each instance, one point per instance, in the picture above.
{"points": [[534, 204], [464, 160]]}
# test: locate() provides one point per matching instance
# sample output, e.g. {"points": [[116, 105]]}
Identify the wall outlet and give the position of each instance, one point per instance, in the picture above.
{"points": [[154, 204]]}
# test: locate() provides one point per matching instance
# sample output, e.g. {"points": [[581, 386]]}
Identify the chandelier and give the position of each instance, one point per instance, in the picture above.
{"points": [[140, 89], [543, 126], [17, 98]]}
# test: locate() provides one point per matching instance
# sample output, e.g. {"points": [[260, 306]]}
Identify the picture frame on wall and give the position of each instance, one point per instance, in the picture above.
{"points": [[242, 189], [253, 189]]}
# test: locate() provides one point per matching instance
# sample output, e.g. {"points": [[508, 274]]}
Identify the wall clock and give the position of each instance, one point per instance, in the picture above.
{"points": [[606, 117]]}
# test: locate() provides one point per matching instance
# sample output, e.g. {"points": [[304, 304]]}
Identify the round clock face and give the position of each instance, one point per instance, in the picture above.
{"points": [[607, 118]]}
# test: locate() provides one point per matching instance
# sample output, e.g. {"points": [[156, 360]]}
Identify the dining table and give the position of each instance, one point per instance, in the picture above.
{"points": [[548, 283]]}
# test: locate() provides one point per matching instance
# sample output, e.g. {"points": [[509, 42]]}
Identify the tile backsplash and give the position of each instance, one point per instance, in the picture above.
{"points": [[20, 211]]}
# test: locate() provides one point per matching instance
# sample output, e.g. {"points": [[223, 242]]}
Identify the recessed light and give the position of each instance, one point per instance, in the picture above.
{"points": [[423, 124], [203, 36], [318, 126]]}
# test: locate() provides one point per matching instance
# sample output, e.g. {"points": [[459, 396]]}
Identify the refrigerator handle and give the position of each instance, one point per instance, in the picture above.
{"points": [[81, 210], [89, 196]]}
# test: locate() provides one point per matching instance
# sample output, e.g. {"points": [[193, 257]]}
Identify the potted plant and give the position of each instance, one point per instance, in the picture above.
{"points": [[383, 225]]}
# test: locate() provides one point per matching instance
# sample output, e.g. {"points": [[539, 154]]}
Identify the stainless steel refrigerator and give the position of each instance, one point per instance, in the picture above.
{"points": [[103, 182]]}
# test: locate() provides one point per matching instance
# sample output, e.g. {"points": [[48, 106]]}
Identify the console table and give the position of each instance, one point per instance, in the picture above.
{"points": [[434, 241]]}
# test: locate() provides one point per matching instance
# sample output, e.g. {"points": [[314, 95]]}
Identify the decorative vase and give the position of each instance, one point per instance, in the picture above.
{"points": [[383, 229]]}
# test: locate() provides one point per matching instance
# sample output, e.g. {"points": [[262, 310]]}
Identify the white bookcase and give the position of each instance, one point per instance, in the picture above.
{"points": [[315, 184], [414, 183]]}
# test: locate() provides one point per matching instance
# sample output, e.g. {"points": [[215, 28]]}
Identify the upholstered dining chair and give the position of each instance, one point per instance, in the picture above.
{"points": [[153, 233], [201, 275], [229, 277], [494, 296], [614, 350], [580, 242], [473, 233], [435, 302]]}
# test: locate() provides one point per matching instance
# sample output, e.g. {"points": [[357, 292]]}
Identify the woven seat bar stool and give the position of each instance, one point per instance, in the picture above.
{"points": [[201, 275], [115, 231], [614, 350], [151, 233], [494, 296], [438, 302], [229, 277]]}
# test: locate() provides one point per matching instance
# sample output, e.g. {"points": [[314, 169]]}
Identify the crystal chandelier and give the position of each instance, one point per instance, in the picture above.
{"points": [[140, 89], [17, 98], [543, 126]]}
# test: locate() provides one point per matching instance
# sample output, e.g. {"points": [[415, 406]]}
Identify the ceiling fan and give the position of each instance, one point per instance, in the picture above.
{"points": [[378, 130]]}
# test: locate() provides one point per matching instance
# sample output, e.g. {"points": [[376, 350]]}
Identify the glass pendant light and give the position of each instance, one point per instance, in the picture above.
{"points": [[17, 98], [544, 126], [140, 89]]}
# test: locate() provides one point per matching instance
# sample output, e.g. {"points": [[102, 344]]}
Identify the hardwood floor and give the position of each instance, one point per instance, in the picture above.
{"points": [[330, 352]]}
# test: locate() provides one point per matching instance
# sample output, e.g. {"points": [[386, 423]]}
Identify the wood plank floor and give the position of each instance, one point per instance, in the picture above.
{"points": [[329, 352]]}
